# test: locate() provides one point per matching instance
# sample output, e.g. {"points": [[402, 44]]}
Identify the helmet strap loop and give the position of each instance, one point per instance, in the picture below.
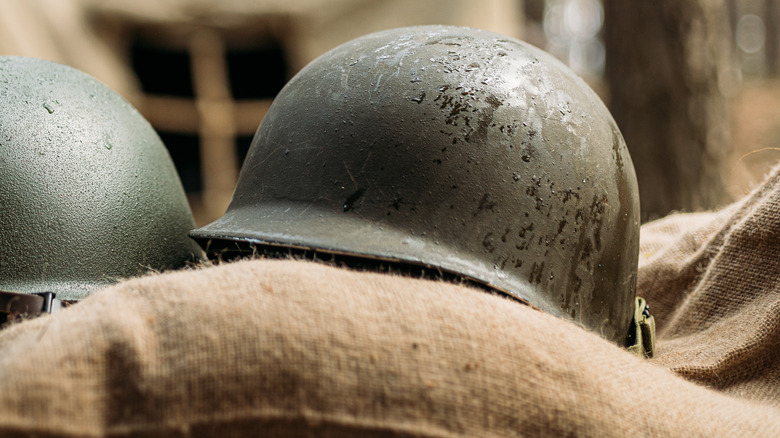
{"points": [[18, 306], [641, 334]]}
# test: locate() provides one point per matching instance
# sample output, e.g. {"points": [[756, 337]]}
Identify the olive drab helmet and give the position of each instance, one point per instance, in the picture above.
{"points": [[456, 149], [88, 192]]}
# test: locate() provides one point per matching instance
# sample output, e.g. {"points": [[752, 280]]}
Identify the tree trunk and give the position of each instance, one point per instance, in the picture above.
{"points": [[665, 62]]}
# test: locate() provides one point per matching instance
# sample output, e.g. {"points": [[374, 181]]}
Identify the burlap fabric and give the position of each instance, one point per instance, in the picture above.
{"points": [[292, 348], [714, 281]]}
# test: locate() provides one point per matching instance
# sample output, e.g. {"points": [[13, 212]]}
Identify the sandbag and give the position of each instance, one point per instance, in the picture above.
{"points": [[713, 281], [298, 348], [293, 348]]}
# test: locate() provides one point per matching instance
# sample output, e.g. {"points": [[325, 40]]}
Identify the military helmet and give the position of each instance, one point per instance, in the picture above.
{"points": [[88, 192], [455, 149]]}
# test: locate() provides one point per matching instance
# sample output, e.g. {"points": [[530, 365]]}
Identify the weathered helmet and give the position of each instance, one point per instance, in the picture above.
{"points": [[88, 192], [455, 149]]}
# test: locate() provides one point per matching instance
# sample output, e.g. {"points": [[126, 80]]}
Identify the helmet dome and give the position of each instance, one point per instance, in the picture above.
{"points": [[456, 149], [88, 192]]}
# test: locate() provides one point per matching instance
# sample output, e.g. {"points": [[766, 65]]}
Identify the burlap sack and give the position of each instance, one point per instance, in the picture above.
{"points": [[292, 348], [714, 283]]}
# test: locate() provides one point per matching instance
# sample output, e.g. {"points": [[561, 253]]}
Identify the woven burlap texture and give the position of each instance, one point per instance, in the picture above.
{"points": [[714, 283], [294, 348]]}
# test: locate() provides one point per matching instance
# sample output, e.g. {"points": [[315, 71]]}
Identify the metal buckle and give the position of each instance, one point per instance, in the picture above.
{"points": [[641, 335], [30, 305]]}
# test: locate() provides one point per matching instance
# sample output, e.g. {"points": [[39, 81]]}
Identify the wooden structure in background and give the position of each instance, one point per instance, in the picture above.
{"points": [[667, 64]]}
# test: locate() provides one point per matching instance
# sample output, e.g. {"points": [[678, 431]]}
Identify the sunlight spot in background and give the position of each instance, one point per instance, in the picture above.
{"points": [[750, 36], [751, 33], [573, 28]]}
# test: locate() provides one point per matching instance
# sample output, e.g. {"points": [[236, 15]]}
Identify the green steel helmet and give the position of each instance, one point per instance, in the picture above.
{"points": [[88, 192], [455, 149]]}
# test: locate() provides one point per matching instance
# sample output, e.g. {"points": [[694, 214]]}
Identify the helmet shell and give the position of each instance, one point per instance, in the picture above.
{"points": [[88, 192], [456, 149]]}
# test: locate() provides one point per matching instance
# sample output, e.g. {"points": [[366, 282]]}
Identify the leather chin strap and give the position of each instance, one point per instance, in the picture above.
{"points": [[640, 339], [28, 305], [641, 334]]}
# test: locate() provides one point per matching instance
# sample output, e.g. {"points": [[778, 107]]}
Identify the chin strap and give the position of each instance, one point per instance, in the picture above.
{"points": [[640, 339], [641, 334], [25, 306]]}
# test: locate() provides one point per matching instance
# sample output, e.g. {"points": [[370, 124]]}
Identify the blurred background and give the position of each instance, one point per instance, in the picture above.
{"points": [[692, 84]]}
